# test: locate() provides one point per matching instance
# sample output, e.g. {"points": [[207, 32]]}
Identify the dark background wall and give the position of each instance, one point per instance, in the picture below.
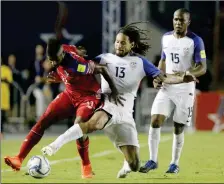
{"points": [[23, 22]]}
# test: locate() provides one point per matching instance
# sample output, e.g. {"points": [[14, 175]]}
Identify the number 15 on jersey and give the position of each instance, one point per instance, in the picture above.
{"points": [[175, 57]]}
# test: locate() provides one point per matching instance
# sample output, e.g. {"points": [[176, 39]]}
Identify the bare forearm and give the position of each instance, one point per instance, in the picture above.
{"points": [[198, 70], [109, 80], [173, 80], [162, 65], [170, 79], [102, 69]]}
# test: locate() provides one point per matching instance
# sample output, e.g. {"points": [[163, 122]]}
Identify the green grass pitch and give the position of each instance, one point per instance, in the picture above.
{"points": [[202, 161]]}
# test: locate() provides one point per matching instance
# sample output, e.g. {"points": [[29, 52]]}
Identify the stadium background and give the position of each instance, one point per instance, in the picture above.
{"points": [[93, 25]]}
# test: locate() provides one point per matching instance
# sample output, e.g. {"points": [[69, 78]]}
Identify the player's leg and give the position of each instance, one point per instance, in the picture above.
{"points": [[131, 161], [178, 143], [83, 144], [58, 109], [161, 108], [182, 116], [84, 111], [96, 122], [125, 137]]}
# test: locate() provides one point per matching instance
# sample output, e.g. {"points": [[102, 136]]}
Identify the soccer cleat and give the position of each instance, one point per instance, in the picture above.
{"points": [[123, 172], [86, 171], [48, 150], [150, 165], [173, 168], [14, 162]]}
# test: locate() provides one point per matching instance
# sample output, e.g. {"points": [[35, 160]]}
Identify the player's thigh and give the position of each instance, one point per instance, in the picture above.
{"points": [[162, 104], [86, 108], [60, 108], [96, 122], [184, 108]]}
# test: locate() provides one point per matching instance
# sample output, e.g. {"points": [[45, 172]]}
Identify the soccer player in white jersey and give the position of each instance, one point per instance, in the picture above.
{"points": [[179, 48], [127, 68]]}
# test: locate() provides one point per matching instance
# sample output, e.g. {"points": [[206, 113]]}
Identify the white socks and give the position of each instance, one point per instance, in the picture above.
{"points": [[73, 133], [178, 142], [153, 141], [126, 165]]}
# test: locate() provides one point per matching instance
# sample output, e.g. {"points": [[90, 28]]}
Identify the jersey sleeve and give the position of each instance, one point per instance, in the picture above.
{"points": [[82, 66], [69, 48], [199, 50], [149, 68], [99, 59]]}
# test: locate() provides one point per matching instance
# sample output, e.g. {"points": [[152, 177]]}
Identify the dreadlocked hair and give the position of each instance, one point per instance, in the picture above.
{"points": [[138, 36], [53, 47]]}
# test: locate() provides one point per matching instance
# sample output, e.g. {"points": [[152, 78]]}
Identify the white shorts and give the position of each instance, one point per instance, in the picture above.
{"points": [[177, 97], [121, 128]]}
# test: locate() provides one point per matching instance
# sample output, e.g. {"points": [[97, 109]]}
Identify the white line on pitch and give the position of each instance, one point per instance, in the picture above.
{"points": [[100, 154]]}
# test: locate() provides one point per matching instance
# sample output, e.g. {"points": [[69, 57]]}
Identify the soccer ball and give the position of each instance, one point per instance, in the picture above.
{"points": [[38, 166]]}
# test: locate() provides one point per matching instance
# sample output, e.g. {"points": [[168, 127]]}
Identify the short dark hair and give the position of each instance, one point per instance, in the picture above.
{"points": [[138, 36], [53, 47], [184, 10]]}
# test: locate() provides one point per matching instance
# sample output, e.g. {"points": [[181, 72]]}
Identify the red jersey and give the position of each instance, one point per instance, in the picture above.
{"points": [[77, 74]]}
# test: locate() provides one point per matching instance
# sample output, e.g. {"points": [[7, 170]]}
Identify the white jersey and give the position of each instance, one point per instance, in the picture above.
{"points": [[127, 73], [179, 53]]}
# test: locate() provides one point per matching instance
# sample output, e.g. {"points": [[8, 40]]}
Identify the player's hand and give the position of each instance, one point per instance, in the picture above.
{"points": [[187, 76], [157, 83], [51, 77], [117, 98]]}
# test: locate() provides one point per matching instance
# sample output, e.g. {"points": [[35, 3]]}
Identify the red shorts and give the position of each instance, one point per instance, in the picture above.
{"points": [[63, 106]]}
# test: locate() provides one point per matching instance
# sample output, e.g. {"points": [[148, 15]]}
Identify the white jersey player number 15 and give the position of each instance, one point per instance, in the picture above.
{"points": [[180, 53]]}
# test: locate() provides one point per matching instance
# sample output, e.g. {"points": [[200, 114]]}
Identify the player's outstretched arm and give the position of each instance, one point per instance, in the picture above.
{"points": [[168, 79], [102, 69], [175, 79]]}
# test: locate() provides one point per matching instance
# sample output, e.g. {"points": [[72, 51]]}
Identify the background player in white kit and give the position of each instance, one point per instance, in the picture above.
{"points": [[179, 48], [127, 69]]}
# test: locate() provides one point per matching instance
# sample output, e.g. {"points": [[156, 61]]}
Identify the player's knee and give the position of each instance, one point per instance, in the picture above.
{"points": [[43, 123], [178, 128], [157, 121], [134, 164], [39, 128]]}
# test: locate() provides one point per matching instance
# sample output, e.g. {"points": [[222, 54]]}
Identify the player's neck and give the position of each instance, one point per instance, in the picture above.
{"points": [[180, 35]]}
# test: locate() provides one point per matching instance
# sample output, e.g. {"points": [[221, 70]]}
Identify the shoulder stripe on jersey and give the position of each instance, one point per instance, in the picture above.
{"points": [[168, 33]]}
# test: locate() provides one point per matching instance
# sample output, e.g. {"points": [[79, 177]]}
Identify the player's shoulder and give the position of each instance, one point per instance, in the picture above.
{"points": [[69, 48], [167, 36], [194, 37], [140, 58], [103, 56], [169, 33]]}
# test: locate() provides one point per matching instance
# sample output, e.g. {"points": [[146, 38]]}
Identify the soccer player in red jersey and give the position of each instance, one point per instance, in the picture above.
{"points": [[80, 98]]}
